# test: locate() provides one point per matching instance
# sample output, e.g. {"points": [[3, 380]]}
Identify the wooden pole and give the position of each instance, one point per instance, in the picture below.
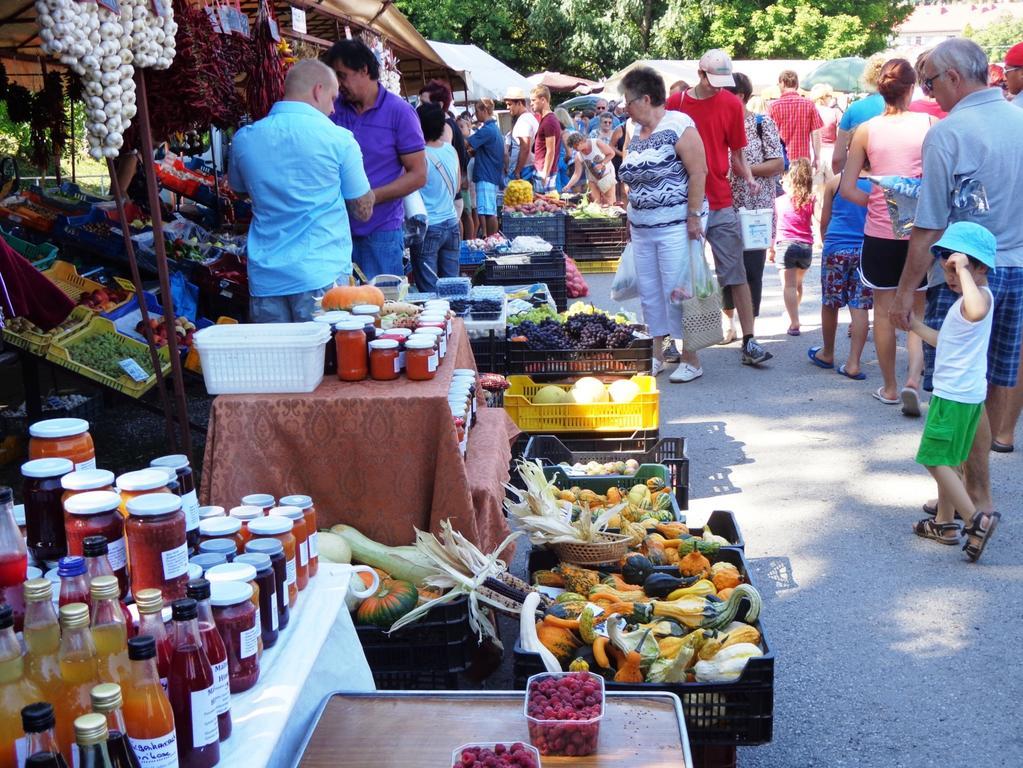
{"points": [[145, 131], [136, 278]]}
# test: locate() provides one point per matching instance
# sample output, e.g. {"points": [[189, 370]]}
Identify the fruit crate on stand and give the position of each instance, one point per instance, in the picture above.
{"points": [[595, 240], [223, 287], [94, 231], [549, 364], [551, 227], [527, 268], [42, 255], [66, 277], [642, 413]]}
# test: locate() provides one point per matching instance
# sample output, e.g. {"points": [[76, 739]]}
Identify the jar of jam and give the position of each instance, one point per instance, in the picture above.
{"points": [[279, 528], [275, 551], [367, 313], [227, 548], [305, 503], [84, 480], [222, 528], [264, 501], [301, 533], [206, 560], [421, 358], [330, 353], [383, 359], [206, 513], [400, 335], [62, 439], [141, 482], [352, 356], [44, 512], [240, 572], [245, 515], [157, 549], [97, 513], [438, 334], [187, 491], [269, 623], [239, 628]]}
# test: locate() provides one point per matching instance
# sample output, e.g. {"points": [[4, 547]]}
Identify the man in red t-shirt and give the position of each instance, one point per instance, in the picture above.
{"points": [[546, 142], [720, 120], [797, 118]]}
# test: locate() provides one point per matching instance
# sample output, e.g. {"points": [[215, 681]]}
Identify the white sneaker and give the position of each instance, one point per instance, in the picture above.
{"points": [[685, 373], [656, 367]]}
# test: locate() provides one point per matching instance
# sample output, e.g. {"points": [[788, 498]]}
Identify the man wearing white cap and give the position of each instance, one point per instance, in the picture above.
{"points": [[720, 120], [520, 162]]}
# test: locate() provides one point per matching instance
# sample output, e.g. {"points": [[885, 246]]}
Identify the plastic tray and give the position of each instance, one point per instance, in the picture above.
{"points": [[642, 413], [550, 226], [669, 451], [604, 266], [601, 483], [39, 343], [262, 359], [66, 277], [72, 230], [20, 213], [42, 255], [595, 239], [469, 257], [542, 732], [62, 352], [548, 364], [524, 268], [56, 198], [456, 753]]}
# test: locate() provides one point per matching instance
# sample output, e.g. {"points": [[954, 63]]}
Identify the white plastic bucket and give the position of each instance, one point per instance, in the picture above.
{"points": [[756, 228]]}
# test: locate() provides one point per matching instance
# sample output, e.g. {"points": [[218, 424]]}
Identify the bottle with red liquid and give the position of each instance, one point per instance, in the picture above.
{"points": [[190, 689], [216, 652], [150, 605], [74, 581], [38, 721], [13, 559], [106, 701]]}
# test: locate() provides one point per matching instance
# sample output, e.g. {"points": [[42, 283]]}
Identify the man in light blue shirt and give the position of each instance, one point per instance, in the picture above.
{"points": [[304, 175]]}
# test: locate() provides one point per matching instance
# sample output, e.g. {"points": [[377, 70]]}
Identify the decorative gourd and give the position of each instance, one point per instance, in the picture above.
{"points": [[547, 578], [661, 585], [697, 612], [655, 483], [518, 192], [406, 563], [393, 600], [561, 642], [579, 665], [348, 296], [673, 530], [332, 548], [586, 622], [694, 564], [580, 580], [528, 638], [569, 610], [727, 664], [637, 568], [725, 575]]}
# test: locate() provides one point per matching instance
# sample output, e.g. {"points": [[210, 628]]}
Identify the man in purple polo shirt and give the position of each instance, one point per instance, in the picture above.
{"points": [[393, 153]]}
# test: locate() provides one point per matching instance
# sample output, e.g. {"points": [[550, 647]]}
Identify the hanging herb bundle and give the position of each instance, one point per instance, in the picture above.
{"points": [[266, 80], [19, 103]]}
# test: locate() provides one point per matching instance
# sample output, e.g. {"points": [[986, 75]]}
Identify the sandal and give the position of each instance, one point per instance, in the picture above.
{"points": [[975, 548], [928, 529], [932, 511]]}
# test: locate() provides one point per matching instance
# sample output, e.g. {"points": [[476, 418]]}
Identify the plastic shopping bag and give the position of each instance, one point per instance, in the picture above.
{"points": [[624, 285], [900, 195], [185, 295], [701, 312], [693, 276]]}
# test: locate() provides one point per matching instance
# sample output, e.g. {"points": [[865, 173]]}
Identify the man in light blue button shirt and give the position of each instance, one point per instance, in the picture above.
{"points": [[304, 175]]}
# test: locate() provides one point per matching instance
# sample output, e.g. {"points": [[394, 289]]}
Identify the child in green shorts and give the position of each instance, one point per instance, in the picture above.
{"points": [[967, 254]]}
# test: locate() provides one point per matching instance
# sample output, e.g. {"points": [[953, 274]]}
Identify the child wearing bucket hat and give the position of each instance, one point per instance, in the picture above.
{"points": [[967, 254]]}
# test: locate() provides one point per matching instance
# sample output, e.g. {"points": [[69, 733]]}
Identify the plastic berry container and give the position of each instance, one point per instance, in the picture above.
{"points": [[459, 759], [573, 736]]}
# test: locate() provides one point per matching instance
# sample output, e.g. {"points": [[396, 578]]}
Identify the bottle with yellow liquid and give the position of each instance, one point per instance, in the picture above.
{"points": [[109, 631], [77, 657], [42, 662], [16, 691]]}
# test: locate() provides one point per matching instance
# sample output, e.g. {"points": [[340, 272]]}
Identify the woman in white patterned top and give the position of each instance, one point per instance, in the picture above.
{"points": [[666, 169]]}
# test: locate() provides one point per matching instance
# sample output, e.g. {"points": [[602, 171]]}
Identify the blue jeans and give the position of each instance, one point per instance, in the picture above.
{"points": [[438, 256], [294, 308], [379, 253]]}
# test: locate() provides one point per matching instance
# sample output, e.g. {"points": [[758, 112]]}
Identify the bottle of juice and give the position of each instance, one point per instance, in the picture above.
{"points": [[16, 692], [216, 652], [13, 558], [150, 605], [74, 580], [42, 662], [109, 631], [106, 700], [77, 662], [191, 690], [91, 742], [41, 751], [147, 711]]}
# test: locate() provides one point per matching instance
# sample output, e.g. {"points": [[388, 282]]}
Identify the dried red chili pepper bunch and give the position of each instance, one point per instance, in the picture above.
{"points": [[265, 85]]}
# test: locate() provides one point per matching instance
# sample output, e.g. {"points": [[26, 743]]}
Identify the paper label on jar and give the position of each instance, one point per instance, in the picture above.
{"points": [[292, 576], [204, 715], [90, 464], [274, 618], [397, 364], [161, 752], [21, 750], [190, 506], [303, 553], [221, 694], [401, 360], [443, 345], [117, 554], [175, 562], [313, 551], [433, 361], [259, 620], [248, 640]]}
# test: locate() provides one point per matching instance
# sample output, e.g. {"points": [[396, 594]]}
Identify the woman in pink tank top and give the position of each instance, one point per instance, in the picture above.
{"points": [[890, 145]]}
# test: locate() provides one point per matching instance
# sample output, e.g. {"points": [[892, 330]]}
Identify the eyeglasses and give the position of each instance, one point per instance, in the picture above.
{"points": [[1007, 70], [629, 102], [928, 82]]}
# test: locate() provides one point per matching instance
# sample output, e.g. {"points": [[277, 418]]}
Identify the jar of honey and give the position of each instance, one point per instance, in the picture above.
{"points": [[383, 359], [139, 483], [279, 528], [421, 358], [62, 439], [305, 503], [352, 354], [157, 549]]}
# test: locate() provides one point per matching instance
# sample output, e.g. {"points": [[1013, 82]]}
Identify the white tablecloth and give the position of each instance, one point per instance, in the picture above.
{"points": [[317, 654]]}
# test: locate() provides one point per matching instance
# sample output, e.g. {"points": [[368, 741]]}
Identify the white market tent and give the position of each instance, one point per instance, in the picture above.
{"points": [[485, 77], [763, 73]]}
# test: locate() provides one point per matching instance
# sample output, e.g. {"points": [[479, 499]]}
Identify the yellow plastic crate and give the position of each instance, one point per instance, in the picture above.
{"points": [[598, 267], [641, 413], [62, 353], [38, 343], [66, 277]]}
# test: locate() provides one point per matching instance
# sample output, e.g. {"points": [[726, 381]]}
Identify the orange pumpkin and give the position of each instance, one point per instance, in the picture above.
{"points": [[348, 296]]}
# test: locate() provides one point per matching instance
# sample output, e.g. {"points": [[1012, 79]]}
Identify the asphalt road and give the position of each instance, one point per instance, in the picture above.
{"points": [[891, 650]]}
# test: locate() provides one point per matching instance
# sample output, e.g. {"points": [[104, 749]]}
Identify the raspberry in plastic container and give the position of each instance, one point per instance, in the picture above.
{"points": [[511, 754], [564, 711]]}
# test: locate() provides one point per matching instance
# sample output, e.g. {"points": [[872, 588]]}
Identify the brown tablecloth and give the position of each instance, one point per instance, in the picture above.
{"points": [[379, 455]]}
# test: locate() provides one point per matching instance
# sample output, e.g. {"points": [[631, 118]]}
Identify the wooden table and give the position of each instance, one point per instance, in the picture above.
{"points": [[405, 729]]}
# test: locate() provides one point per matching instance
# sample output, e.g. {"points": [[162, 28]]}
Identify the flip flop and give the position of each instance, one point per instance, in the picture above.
{"points": [[998, 447], [910, 401], [855, 377], [812, 354], [878, 396]]}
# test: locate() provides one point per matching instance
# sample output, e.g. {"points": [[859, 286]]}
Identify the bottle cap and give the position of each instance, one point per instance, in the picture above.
{"points": [[142, 480], [383, 344], [257, 560], [208, 513], [174, 461], [224, 593], [258, 500], [246, 512], [94, 546], [219, 526], [184, 609], [38, 590], [6, 616], [92, 503], [231, 572], [268, 547], [149, 600], [90, 729], [349, 324], [74, 616], [208, 559], [226, 548], [73, 565], [104, 588], [47, 468], [420, 342], [142, 648], [87, 480], [106, 697], [198, 589], [292, 513], [51, 428], [38, 717], [297, 500], [153, 504], [271, 525]]}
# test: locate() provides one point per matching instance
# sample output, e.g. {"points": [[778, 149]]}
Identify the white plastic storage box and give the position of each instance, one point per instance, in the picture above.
{"points": [[262, 358]]}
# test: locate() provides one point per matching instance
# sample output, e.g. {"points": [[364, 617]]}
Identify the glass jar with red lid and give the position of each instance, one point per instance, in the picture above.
{"points": [[279, 528], [97, 513], [239, 628], [222, 528], [305, 503], [42, 494], [383, 359], [140, 482], [62, 439], [301, 534], [352, 350], [421, 358], [157, 548]]}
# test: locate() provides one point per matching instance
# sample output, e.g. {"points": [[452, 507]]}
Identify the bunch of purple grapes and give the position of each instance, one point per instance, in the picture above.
{"points": [[548, 334], [597, 331]]}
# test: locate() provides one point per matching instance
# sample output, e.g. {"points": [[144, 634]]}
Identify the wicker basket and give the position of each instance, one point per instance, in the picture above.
{"points": [[609, 549]]}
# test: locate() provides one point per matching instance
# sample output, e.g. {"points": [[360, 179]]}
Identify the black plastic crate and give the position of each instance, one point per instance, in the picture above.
{"points": [[670, 451], [529, 268], [490, 354], [595, 239], [549, 364], [551, 227]]}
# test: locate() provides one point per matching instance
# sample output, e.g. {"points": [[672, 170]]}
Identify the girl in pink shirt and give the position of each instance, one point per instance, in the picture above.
{"points": [[793, 242]]}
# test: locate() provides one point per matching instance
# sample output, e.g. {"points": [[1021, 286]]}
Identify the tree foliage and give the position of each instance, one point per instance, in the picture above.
{"points": [[997, 37]]}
